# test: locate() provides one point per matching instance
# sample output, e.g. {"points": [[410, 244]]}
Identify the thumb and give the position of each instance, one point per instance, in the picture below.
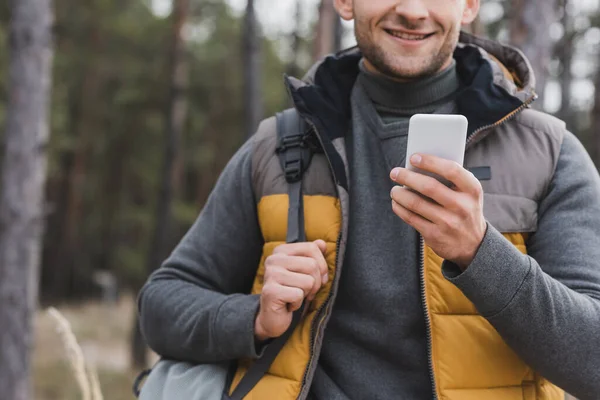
{"points": [[322, 245]]}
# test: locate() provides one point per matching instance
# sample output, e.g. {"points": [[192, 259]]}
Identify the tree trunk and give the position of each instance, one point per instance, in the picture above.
{"points": [[176, 116], [293, 68], [65, 268], [564, 53], [325, 36], [529, 31], [595, 128], [119, 152], [252, 67], [22, 196]]}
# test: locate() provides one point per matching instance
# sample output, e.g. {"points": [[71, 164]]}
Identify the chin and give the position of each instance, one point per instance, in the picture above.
{"points": [[404, 71]]}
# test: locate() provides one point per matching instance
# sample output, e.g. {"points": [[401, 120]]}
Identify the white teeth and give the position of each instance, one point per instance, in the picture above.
{"points": [[407, 36]]}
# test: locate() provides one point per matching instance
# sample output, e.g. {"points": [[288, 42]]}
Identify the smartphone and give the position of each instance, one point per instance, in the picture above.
{"points": [[440, 135]]}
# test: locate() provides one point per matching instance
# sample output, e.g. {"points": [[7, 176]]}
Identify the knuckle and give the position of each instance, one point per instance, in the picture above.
{"points": [[313, 247], [324, 269], [429, 187], [298, 294], [476, 209], [409, 218], [314, 266], [268, 291], [273, 273], [310, 283], [280, 249], [269, 260], [267, 275], [416, 203], [273, 259], [462, 210], [477, 189], [454, 171]]}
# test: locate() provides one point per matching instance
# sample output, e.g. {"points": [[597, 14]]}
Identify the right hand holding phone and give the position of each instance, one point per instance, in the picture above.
{"points": [[293, 272]]}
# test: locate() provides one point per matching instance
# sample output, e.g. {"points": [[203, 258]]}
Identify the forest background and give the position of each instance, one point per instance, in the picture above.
{"points": [[148, 100]]}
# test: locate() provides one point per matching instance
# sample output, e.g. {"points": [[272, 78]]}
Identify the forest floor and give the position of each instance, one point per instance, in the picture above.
{"points": [[103, 333]]}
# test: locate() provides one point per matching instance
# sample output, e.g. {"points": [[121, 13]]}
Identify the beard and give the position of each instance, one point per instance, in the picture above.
{"points": [[400, 66]]}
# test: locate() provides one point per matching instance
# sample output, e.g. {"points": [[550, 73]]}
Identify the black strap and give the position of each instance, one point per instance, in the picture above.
{"points": [[295, 155], [138, 381]]}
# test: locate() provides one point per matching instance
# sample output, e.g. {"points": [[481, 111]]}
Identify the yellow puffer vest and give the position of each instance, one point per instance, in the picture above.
{"points": [[468, 358]]}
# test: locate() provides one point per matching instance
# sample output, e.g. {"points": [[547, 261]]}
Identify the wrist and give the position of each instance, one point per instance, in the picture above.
{"points": [[464, 262], [259, 333]]}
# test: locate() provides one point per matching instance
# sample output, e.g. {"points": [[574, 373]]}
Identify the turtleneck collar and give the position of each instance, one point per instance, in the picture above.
{"points": [[409, 97]]}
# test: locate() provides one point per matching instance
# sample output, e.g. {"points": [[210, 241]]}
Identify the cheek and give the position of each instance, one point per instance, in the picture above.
{"points": [[449, 16], [373, 11]]}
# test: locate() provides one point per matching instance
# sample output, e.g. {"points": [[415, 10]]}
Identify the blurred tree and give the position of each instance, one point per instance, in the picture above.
{"points": [[107, 88], [564, 53], [530, 22], [477, 27], [85, 119], [125, 129], [23, 179], [595, 128], [293, 68], [325, 38], [176, 115], [252, 70]]}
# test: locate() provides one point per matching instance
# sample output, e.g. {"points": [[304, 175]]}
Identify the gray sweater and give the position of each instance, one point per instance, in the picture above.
{"points": [[379, 335], [546, 305]]}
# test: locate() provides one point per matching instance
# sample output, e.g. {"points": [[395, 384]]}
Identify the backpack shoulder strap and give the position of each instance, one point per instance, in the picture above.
{"points": [[295, 155]]}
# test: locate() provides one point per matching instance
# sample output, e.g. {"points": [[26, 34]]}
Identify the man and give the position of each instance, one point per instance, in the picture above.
{"points": [[408, 298]]}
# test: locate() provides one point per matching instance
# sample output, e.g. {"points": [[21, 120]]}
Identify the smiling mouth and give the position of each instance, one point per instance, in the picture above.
{"points": [[408, 36]]}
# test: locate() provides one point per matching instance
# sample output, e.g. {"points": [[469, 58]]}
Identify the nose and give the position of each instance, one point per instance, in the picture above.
{"points": [[412, 10]]}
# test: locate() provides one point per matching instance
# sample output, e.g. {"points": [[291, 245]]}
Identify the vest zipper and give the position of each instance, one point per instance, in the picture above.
{"points": [[508, 117], [469, 142], [319, 318], [427, 316]]}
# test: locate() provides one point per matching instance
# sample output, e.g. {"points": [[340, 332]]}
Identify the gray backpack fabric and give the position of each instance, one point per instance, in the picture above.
{"points": [[173, 380], [180, 380]]}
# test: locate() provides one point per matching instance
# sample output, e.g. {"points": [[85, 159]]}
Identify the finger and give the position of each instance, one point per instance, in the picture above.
{"points": [[419, 223], [464, 180], [302, 265], [306, 249], [322, 245], [419, 205], [291, 296], [306, 282], [426, 185], [323, 268]]}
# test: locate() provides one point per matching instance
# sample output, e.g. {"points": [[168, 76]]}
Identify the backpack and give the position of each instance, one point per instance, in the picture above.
{"points": [[170, 379]]}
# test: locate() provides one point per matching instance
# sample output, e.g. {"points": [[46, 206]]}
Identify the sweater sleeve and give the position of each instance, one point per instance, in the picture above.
{"points": [[546, 305], [196, 307]]}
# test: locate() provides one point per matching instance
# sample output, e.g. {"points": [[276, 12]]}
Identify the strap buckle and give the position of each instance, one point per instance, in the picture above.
{"points": [[290, 142], [292, 148]]}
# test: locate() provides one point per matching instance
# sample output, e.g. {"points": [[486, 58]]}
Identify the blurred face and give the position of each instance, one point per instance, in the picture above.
{"points": [[407, 39]]}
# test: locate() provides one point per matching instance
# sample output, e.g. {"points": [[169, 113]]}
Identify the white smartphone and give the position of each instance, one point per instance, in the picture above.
{"points": [[440, 135]]}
